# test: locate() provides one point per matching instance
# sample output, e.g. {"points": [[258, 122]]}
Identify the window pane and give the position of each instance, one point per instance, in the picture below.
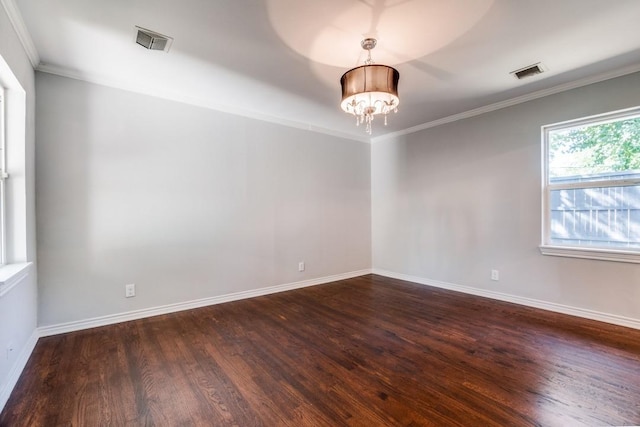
{"points": [[588, 152], [608, 216]]}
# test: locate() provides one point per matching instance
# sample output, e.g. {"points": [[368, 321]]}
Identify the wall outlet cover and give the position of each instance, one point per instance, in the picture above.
{"points": [[130, 290]]}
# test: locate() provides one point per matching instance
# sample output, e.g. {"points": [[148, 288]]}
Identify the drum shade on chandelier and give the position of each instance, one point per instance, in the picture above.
{"points": [[370, 90]]}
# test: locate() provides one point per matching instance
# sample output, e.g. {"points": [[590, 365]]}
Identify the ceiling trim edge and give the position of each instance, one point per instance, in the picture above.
{"points": [[15, 17], [177, 97], [513, 101]]}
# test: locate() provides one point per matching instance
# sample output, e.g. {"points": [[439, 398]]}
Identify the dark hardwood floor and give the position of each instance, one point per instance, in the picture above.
{"points": [[369, 351]]}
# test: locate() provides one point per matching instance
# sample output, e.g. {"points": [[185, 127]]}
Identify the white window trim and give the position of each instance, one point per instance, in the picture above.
{"points": [[16, 266], [3, 176], [11, 275], [590, 253], [585, 252]]}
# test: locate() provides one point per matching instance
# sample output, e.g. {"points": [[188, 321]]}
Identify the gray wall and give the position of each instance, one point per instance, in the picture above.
{"points": [[452, 202], [18, 308], [186, 203]]}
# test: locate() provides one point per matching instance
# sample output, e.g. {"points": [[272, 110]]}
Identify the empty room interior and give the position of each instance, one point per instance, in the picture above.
{"points": [[319, 213]]}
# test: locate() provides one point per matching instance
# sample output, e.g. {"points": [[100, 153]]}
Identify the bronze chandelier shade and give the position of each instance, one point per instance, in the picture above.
{"points": [[370, 90]]}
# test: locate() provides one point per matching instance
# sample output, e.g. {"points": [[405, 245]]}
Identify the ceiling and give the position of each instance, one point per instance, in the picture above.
{"points": [[281, 60]]}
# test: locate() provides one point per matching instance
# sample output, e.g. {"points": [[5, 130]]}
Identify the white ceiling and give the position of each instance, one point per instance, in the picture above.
{"points": [[282, 60]]}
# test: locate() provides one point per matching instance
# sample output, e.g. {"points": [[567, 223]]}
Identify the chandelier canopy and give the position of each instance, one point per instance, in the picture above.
{"points": [[370, 89]]}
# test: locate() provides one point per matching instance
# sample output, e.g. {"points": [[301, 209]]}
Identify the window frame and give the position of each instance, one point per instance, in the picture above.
{"points": [[16, 258], [3, 177], [588, 252]]}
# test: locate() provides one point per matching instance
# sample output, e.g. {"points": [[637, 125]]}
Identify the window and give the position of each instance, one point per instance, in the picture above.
{"points": [[591, 201], [13, 192], [3, 176]]}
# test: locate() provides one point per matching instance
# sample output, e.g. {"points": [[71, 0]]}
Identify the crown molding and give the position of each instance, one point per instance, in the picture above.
{"points": [[195, 101], [21, 30], [105, 81], [513, 101]]}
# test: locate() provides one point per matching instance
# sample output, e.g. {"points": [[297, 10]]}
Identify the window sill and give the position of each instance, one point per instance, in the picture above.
{"points": [[591, 253], [11, 275]]}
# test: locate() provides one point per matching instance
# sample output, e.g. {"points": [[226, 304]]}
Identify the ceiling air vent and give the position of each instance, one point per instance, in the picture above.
{"points": [[152, 40], [529, 71]]}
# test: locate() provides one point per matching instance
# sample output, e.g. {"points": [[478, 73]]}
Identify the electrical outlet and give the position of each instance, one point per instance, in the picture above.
{"points": [[495, 275], [130, 290], [301, 266]]}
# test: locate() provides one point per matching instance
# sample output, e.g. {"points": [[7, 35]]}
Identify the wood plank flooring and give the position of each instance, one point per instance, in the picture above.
{"points": [[369, 351]]}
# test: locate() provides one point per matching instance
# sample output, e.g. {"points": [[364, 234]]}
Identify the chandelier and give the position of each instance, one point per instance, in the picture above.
{"points": [[370, 89]]}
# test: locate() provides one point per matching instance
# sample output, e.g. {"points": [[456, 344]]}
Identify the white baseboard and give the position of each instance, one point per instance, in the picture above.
{"points": [[171, 308], [45, 331], [18, 367], [62, 328], [529, 302]]}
